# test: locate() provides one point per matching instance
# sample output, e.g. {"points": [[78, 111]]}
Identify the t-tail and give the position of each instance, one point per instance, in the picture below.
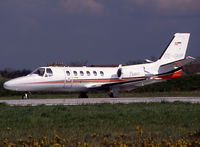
{"points": [[173, 58], [176, 49]]}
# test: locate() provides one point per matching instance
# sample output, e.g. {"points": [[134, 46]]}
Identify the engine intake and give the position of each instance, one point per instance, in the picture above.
{"points": [[119, 72]]}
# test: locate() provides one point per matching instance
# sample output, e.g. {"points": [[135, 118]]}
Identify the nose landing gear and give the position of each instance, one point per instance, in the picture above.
{"points": [[26, 95]]}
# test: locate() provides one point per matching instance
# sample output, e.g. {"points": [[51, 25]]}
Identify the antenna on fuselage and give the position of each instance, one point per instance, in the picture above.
{"points": [[56, 64]]}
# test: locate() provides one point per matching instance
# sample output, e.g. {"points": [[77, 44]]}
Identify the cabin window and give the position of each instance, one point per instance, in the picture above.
{"points": [[39, 72], [101, 73], [49, 72], [81, 73], [88, 73], [95, 73], [75, 73], [68, 73]]}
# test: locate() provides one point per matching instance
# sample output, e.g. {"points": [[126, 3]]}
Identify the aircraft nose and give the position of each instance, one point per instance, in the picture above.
{"points": [[9, 85]]}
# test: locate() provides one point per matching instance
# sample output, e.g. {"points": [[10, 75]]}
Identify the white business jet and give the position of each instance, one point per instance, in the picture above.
{"points": [[112, 79]]}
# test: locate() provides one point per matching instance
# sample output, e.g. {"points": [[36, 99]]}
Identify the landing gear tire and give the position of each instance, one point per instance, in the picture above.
{"points": [[110, 94], [113, 93], [83, 95], [25, 96]]}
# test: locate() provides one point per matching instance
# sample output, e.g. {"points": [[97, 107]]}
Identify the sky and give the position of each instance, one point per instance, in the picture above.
{"points": [[34, 33]]}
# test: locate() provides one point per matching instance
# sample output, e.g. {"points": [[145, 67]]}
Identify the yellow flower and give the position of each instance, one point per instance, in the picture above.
{"points": [[137, 128], [57, 145], [85, 144], [150, 145], [5, 142], [105, 139], [11, 145], [35, 144], [94, 135], [45, 138], [140, 131], [121, 135]]}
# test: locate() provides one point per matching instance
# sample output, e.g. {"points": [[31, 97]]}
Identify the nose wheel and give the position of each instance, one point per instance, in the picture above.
{"points": [[26, 95]]}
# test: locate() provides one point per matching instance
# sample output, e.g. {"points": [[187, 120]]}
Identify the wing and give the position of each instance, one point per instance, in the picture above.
{"points": [[120, 83]]}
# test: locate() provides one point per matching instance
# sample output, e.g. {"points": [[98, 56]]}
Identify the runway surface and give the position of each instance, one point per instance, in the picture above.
{"points": [[76, 101]]}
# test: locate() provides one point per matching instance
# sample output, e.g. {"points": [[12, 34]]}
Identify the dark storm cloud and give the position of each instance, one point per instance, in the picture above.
{"points": [[35, 32]]}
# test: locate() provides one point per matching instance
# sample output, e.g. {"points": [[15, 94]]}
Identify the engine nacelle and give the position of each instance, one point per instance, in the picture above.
{"points": [[130, 72]]}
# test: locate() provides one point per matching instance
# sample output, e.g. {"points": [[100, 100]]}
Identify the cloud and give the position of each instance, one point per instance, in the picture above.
{"points": [[82, 6], [69, 6], [25, 3], [30, 21], [170, 6], [178, 4]]}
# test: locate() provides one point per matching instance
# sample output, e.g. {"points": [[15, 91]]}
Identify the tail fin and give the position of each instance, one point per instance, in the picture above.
{"points": [[176, 49]]}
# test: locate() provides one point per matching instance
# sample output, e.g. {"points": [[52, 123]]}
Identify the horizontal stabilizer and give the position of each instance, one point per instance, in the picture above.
{"points": [[174, 65]]}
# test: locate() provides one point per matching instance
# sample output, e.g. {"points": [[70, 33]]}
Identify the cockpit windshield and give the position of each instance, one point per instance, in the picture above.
{"points": [[39, 71], [43, 72], [49, 72]]}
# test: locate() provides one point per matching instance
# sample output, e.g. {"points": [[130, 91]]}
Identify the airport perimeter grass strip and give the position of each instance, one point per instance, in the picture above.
{"points": [[160, 121]]}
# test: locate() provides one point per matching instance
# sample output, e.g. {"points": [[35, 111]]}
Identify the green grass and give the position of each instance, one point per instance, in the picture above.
{"points": [[158, 120], [161, 94]]}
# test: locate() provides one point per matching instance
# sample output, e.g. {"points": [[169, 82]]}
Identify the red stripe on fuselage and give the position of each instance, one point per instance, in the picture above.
{"points": [[171, 76], [88, 81]]}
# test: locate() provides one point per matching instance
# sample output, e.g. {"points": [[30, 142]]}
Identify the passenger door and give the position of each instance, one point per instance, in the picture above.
{"points": [[68, 78]]}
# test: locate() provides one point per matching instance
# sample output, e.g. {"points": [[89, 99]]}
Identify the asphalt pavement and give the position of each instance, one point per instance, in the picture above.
{"points": [[83, 101]]}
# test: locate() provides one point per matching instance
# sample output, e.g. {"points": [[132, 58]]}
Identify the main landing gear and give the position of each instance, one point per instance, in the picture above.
{"points": [[83, 95], [113, 93], [26, 95]]}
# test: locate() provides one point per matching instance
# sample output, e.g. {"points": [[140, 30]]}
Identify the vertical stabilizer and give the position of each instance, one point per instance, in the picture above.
{"points": [[176, 49]]}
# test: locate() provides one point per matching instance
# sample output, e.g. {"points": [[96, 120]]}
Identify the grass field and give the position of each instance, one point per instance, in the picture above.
{"points": [[101, 123]]}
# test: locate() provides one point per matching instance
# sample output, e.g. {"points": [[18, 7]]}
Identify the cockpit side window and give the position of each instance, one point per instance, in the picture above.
{"points": [[39, 71], [49, 72]]}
